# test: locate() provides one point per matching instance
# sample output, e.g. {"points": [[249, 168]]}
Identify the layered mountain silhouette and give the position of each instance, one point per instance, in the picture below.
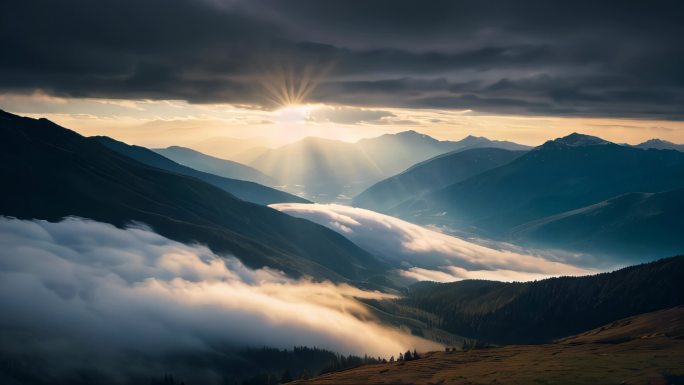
{"points": [[578, 192], [214, 165], [635, 225], [248, 191], [660, 144], [394, 153], [330, 170], [433, 174], [239, 150], [559, 176], [540, 311], [321, 169], [50, 172]]}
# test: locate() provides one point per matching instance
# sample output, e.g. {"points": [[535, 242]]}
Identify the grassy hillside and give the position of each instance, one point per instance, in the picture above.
{"points": [[645, 349]]}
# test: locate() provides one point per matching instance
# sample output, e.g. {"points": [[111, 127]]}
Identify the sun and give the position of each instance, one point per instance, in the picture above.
{"points": [[288, 84], [294, 113]]}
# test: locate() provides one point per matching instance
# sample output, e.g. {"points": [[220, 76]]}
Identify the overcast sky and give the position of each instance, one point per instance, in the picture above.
{"points": [[587, 64]]}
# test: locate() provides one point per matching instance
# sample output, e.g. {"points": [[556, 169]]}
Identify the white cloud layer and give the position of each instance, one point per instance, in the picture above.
{"points": [[424, 254], [91, 290]]}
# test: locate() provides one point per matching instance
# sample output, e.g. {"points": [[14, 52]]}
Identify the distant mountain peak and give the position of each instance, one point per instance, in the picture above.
{"points": [[576, 140], [474, 137], [660, 144], [657, 141], [409, 132], [409, 136], [414, 134]]}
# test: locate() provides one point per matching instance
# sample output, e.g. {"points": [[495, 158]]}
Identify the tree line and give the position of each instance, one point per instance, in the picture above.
{"points": [[540, 311]]}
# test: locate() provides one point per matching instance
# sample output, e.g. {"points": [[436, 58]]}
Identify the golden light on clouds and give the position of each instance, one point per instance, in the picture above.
{"points": [[205, 300], [427, 254], [164, 123]]}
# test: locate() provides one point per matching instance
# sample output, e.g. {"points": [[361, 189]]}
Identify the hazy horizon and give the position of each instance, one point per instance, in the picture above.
{"points": [[155, 123]]}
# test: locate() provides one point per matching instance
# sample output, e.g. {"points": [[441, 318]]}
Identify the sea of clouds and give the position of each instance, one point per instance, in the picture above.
{"points": [[84, 294], [425, 254]]}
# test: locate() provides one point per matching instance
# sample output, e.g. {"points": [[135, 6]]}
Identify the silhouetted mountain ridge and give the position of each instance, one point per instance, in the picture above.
{"points": [[633, 225], [554, 178], [214, 165], [51, 172], [245, 190], [239, 150], [433, 174], [329, 170]]}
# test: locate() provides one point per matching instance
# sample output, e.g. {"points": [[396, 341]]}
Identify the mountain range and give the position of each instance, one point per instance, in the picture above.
{"points": [[327, 170], [432, 174], [248, 191], [632, 225], [574, 193], [578, 193], [322, 170], [514, 201], [236, 149], [213, 165], [51, 172]]}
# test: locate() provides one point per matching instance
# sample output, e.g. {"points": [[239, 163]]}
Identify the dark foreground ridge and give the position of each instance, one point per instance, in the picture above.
{"points": [[49, 172]]}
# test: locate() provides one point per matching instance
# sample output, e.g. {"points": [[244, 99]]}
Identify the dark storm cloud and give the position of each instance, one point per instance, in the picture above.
{"points": [[584, 58]]}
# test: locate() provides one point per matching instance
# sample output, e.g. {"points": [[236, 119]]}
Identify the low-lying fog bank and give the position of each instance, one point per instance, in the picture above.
{"points": [[80, 295], [422, 254]]}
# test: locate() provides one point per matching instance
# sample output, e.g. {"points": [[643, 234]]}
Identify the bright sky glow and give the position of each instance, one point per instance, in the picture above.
{"points": [[163, 123]]}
